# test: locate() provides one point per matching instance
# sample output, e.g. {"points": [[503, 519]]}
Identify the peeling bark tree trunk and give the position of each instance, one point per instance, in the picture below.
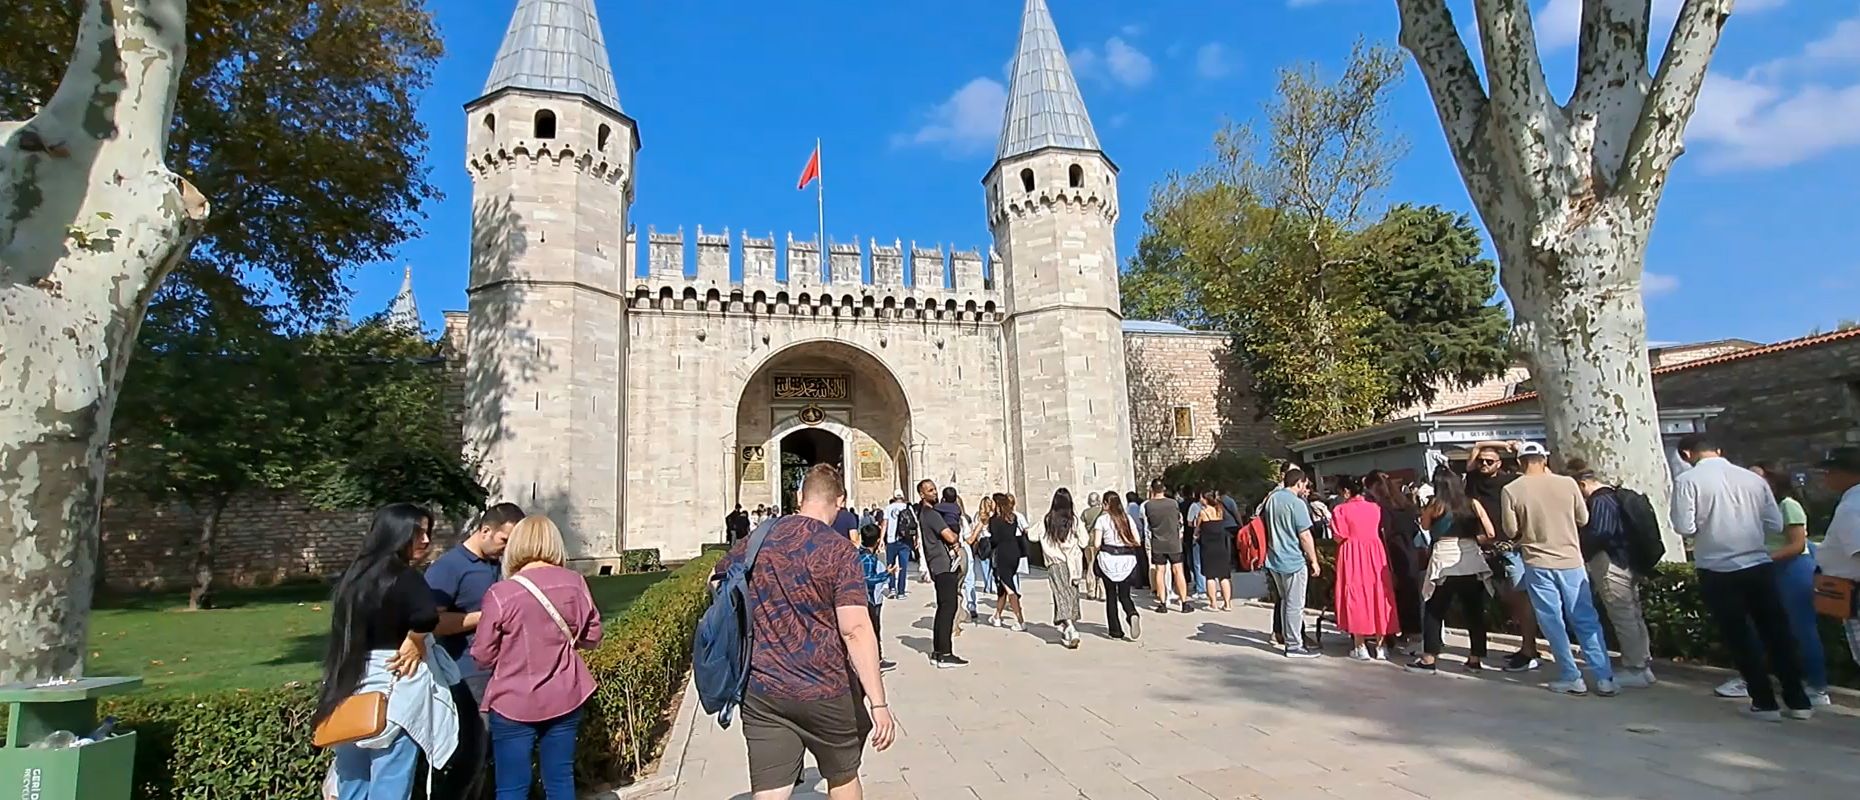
{"points": [[1569, 192], [201, 596], [90, 222]]}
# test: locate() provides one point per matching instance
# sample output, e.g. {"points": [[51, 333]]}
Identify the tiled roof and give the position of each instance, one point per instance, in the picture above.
{"points": [[555, 46], [1740, 355], [1044, 108]]}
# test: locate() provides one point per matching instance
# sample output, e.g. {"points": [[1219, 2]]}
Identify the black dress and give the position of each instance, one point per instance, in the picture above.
{"points": [[1217, 549], [1005, 535]]}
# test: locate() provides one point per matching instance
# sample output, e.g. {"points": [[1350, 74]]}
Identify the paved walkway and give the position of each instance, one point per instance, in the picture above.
{"points": [[1203, 708]]}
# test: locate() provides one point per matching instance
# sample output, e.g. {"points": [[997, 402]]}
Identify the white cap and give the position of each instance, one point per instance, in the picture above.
{"points": [[1528, 449]]}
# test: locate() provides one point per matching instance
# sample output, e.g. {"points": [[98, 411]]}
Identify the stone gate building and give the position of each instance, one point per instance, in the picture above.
{"points": [[637, 405]]}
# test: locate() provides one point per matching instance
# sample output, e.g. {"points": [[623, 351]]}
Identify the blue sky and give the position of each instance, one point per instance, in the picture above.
{"points": [[1757, 236]]}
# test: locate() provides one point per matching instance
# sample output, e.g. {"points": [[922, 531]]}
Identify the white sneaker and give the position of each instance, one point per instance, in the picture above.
{"points": [[1019, 626], [1772, 715], [1800, 713], [1819, 698], [1607, 688], [1000, 621], [1299, 652], [1575, 687], [1734, 687], [1381, 654], [1359, 654], [1136, 627], [1634, 678]]}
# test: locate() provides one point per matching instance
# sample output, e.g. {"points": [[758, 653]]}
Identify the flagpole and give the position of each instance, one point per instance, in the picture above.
{"points": [[820, 194]]}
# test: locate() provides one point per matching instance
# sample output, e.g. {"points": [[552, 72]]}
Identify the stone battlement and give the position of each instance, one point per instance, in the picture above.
{"points": [[747, 265]]}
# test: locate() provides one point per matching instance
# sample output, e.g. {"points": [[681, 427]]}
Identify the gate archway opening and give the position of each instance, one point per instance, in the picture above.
{"points": [[825, 402], [800, 452]]}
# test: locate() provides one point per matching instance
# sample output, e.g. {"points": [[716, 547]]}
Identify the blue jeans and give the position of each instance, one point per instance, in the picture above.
{"points": [[1559, 594], [981, 581], [898, 554], [1191, 561], [385, 774], [1795, 580], [553, 743]]}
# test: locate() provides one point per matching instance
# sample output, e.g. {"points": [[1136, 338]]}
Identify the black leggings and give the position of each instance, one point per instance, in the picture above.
{"points": [[1115, 593], [1469, 590]]}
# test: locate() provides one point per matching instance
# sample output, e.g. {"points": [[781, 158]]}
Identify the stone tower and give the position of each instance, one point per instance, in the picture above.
{"points": [[551, 160], [1052, 206]]}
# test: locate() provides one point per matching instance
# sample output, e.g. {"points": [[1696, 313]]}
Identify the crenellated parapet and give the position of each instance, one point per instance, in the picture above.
{"points": [[1018, 203], [522, 155], [769, 276]]}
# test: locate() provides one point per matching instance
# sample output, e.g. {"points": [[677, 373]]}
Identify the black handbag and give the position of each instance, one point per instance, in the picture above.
{"points": [[984, 547]]}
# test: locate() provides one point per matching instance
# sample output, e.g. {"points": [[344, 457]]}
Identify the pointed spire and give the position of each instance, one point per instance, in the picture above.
{"points": [[1043, 107], [555, 46], [403, 312]]}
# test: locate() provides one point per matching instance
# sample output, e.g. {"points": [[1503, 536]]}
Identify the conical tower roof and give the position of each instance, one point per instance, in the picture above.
{"points": [[403, 312], [1044, 108], [555, 46]]}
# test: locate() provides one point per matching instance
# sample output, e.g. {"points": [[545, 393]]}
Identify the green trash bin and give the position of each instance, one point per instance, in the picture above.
{"points": [[100, 770]]}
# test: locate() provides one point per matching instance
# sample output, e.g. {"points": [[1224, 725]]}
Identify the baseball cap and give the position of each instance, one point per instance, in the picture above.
{"points": [[1845, 459], [1529, 449]]}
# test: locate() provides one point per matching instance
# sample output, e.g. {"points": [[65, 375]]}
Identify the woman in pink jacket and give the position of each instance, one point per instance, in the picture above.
{"points": [[531, 625], [1365, 587]]}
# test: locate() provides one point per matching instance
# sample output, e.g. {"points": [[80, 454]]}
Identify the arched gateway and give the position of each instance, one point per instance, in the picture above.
{"points": [[820, 402]]}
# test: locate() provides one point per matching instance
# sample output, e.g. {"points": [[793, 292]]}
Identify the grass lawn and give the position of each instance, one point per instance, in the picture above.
{"points": [[258, 637]]}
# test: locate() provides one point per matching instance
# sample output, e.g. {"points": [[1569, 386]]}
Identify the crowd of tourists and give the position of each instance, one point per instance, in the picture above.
{"points": [[433, 679]]}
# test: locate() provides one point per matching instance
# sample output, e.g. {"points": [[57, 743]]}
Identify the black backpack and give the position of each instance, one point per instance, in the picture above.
{"points": [[1642, 525], [906, 521]]}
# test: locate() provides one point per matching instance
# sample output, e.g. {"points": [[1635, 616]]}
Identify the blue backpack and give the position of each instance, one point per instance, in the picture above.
{"points": [[720, 656]]}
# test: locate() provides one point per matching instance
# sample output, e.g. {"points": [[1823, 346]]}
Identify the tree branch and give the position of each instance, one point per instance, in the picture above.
{"points": [[1611, 79], [123, 77], [1428, 32], [1523, 116], [1657, 140]]}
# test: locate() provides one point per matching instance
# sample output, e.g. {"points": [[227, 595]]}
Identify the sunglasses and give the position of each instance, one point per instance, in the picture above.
{"points": [[1489, 462]]}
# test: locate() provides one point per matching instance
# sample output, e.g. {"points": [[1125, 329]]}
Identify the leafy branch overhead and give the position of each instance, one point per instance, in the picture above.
{"points": [[1341, 320]]}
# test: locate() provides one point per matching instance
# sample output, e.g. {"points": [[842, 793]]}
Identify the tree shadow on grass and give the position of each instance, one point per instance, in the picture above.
{"points": [[304, 648]]}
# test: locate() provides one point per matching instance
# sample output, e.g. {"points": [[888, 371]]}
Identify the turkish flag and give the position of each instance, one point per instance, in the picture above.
{"points": [[811, 172]]}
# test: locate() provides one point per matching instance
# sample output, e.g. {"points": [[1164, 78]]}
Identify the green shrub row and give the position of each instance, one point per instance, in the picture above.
{"points": [[643, 560], [256, 743]]}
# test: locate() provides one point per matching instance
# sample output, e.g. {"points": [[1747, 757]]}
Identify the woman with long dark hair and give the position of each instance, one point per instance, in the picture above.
{"points": [[1059, 542], [1795, 581], [382, 613], [1401, 524], [1456, 569], [1117, 562], [1004, 535], [1365, 591], [1217, 549]]}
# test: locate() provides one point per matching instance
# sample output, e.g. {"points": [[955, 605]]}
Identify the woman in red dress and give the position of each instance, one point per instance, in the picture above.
{"points": [[1365, 586]]}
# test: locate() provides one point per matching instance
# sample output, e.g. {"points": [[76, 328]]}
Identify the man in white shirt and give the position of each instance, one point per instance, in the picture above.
{"points": [[1839, 554], [897, 550], [1727, 511]]}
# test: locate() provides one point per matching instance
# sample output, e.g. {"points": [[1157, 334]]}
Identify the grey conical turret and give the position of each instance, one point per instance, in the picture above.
{"points": [[555, 46], [1044, 108]]}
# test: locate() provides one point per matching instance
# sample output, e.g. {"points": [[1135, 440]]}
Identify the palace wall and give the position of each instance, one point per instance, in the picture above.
{"points": [[1189, 396]]}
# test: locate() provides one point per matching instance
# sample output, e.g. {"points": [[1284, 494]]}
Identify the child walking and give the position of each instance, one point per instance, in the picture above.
{"points": [[877, 576]]}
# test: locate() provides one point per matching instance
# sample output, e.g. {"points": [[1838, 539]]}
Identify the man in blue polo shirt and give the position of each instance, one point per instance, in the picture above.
{"points": [[458, 580]]}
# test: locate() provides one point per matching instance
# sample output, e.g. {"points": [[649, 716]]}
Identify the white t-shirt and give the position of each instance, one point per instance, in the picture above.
{"points": [[1116, 567], [891, 521], [1839, 554]]}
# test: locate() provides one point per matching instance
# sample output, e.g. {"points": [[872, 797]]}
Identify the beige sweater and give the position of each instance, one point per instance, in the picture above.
{"points": [[1542, 513]]}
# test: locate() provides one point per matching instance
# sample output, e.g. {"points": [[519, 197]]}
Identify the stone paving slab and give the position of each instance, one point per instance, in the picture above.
{"points": [[1203, 707]]}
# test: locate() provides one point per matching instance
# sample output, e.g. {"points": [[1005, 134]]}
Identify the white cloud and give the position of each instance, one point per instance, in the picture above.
{"points": [[1133, 30], [1784, 111], [1559, 22], [969, 121], [1654, 284], [1211, 61], [1119, 62]]}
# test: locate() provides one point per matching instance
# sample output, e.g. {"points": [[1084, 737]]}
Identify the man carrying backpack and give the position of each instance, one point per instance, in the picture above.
{"points": [[1606, 546], [808, 619]]}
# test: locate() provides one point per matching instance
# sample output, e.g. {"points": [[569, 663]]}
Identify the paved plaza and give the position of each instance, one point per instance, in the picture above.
{"points": [[1203, 707]]}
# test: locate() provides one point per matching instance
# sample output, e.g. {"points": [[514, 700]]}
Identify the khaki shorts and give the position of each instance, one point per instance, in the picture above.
{"points": [[780, 732]]}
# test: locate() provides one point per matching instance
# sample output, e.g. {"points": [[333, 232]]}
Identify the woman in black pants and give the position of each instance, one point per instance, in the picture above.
{"points": [[1117, 565], [1456, 569]]}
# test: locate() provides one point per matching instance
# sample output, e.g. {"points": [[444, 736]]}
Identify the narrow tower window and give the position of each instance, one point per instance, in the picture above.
{"points": [[602, 141], [1077, 174], [545, 124], [1026, 180], [490, 123]]}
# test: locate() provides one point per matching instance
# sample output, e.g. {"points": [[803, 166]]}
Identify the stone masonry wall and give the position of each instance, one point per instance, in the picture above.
{"points": [[1788, 406], [1200, 372]]}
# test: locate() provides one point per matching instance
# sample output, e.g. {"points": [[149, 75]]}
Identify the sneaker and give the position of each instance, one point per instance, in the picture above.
{"points": [[1817, 698], [1575, 687], [1473, 666], [1519, 662], [1771, 715], [1136, 627], [1633, 679], [1299, 652], [1161, 608], [1420, 667], [1000, 621], [951, 661], [1382, 654], [886, 666], [1072, 638], [1187, 606], [1734, 687], [1018, 626], [1800, 713], [1607, 687], [1359, 654]]}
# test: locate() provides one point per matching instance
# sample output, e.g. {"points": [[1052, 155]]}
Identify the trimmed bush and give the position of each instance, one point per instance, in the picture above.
{"points": [[256, 743], [644, 560]]}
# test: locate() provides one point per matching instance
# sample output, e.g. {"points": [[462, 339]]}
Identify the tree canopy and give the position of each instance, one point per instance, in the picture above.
{"points": [[1340, 319], [296, 120]]}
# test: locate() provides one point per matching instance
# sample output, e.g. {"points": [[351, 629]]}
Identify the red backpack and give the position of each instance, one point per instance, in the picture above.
{"points": [[1250, 545]]}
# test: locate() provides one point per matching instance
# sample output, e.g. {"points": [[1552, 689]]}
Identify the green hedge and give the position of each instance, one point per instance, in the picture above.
{"points": [[256, 743], [643, 560]]}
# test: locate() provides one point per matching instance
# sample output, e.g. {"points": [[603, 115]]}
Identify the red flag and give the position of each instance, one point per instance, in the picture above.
{"points": [[811, 172]]}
